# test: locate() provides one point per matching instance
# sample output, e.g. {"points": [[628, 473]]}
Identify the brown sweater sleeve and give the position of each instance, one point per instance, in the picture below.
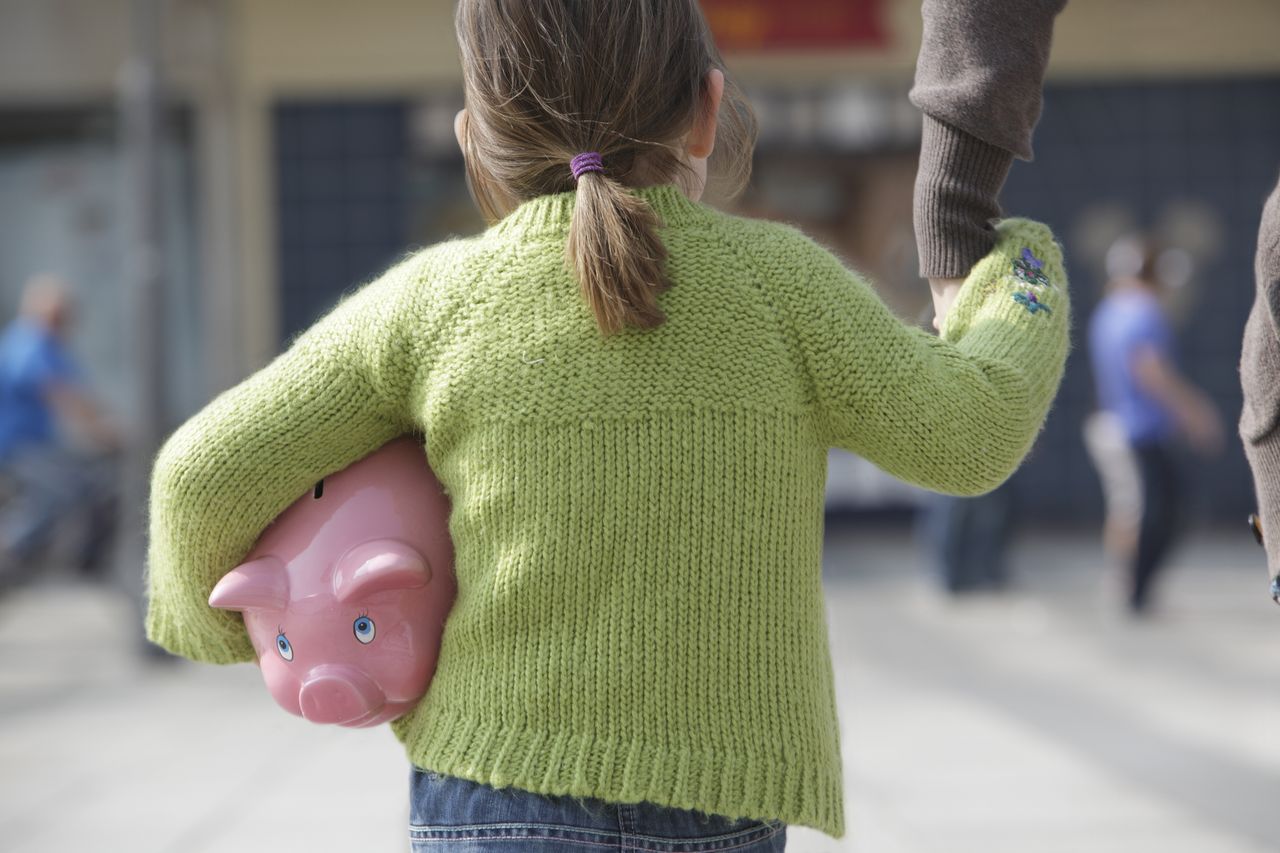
{"points": [[978, 81], [1260, 379]]}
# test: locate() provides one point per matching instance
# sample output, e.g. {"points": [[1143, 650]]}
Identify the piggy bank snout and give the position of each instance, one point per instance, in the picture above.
{"points": [[339, 695]]}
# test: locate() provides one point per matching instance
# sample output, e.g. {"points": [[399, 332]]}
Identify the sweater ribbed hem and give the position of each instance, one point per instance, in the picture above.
{"points": [[956, 198], [552, 214], [580, 765]]}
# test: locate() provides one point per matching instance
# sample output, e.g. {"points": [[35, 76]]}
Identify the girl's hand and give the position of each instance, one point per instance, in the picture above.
{"points": [[944, 293]]}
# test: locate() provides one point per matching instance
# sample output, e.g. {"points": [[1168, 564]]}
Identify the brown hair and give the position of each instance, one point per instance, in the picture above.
{"points": [[550, 79]]}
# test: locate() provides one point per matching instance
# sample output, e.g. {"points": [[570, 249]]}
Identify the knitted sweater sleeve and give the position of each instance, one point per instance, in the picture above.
{"points": [[955, 413], [340, 391]]}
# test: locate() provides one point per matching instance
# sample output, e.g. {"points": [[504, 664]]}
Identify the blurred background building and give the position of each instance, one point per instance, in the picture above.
{"points": [[306, 143]]}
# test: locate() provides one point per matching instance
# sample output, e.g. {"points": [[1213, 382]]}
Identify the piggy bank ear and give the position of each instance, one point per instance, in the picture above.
{"points": [[257, 584], [378, 566]]}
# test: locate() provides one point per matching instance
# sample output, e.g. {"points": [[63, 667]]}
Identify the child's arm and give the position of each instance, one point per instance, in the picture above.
{"points": [[955, 414], [341, 390]]}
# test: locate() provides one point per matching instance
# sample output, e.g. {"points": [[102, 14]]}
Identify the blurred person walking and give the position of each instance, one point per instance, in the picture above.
{"points": [[1260, 380], [57, 448], [1139, 386]]}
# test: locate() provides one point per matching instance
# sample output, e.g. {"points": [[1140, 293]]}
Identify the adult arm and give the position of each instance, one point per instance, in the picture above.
{"points": [[978, 82], [1192, 410], [1260, 379], [55, 375]]}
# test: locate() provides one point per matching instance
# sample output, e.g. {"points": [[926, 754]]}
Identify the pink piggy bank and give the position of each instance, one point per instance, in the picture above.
{"points": [[345, 595]]}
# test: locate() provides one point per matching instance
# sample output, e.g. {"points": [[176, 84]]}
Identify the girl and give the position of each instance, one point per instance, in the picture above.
{"points": [[629, 397]]}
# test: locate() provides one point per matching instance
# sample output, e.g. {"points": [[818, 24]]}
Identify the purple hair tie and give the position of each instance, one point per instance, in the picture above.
{"points": [[588, 161]]}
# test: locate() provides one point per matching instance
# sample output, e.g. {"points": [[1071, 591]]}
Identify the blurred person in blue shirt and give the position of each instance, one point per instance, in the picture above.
{"points": [[44, 402], [1147, 404]]}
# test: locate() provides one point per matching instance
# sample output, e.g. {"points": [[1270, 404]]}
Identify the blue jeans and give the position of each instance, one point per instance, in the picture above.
{"points": [[447, 813], [969, 537], [1162, 513]]}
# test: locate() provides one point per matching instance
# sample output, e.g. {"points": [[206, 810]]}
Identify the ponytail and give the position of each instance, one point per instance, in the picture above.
{"points": [[617, 255], [546, 81]]}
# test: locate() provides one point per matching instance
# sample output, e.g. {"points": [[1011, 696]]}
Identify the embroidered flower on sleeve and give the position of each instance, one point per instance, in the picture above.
{"points": [[1029, 301], [1030, 269]]}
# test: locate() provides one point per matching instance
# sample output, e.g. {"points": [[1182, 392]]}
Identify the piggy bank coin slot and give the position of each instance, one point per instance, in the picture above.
{"points": [[319, 491]]}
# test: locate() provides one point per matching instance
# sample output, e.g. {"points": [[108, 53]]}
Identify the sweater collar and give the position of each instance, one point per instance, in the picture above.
{"points": [[551, 214]]}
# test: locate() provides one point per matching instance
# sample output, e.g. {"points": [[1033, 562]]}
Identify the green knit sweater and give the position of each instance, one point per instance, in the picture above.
{"points": [[637, 520]]}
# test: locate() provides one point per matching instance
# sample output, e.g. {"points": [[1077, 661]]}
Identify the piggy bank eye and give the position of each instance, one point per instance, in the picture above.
{"points": [[284, 647], [364, 629]]}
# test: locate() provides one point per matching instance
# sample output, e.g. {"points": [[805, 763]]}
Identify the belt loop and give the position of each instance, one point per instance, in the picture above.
{"points": [[627, 821]]}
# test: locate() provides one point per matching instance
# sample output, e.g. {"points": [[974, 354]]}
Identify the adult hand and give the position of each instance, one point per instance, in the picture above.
{"points": [[83, 413], [1203, 427], [1194, 412]]}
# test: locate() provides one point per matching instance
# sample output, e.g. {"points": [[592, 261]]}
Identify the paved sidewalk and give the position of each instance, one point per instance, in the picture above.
{"points": [[1038, 722]]}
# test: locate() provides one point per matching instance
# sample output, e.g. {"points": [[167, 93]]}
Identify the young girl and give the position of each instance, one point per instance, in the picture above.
{"points": [[629, 397]]}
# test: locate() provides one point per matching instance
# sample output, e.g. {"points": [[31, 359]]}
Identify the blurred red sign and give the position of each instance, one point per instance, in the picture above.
{"points": [[762, 25]]}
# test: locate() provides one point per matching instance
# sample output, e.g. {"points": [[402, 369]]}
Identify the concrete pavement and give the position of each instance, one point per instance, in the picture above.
{"points": [[1038, 722]]}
